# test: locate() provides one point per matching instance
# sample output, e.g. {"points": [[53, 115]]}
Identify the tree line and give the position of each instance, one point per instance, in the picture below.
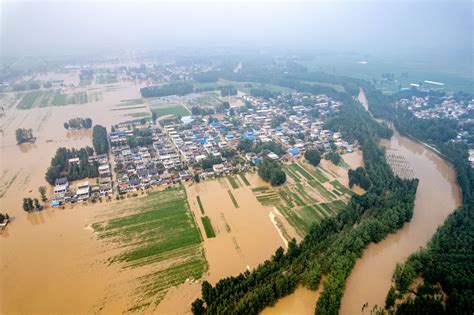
{"points": [[176, 88], [78, 123], [100, 140]]}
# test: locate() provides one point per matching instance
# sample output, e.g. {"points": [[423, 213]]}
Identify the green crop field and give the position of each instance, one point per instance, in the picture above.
{"points": [[173, 110], [156, 229], [233, 182], [244, 179], [233, 199], [206, 222], [29, 99], [200, 204], [312, 195]]}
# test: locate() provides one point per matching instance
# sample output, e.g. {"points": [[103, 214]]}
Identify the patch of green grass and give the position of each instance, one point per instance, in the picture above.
{"points": [[128, 108], [233, 199], [139, 115], [206, 222], [301, 190], [292, 174], [297, 168], [233, 182], [200, 204], [244, 179], [318, 174], [284, 195], [261, 189], [322, 190], [268, 199], [341, 187], [174, 110]]}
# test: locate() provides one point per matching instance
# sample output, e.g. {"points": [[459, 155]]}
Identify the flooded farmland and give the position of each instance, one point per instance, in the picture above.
{"points": [[51, 253]]}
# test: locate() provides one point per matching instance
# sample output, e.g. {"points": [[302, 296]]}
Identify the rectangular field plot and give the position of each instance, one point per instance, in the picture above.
{"points": [[157, 230]]}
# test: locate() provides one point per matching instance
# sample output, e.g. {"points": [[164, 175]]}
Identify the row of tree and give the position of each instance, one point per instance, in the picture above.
{"points": [[100, 140], [31, 204], [78, 123], [177, 88]]}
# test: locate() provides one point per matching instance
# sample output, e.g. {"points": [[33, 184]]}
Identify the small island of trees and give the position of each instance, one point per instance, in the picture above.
{"points": [[78, 123], [24, 135]]}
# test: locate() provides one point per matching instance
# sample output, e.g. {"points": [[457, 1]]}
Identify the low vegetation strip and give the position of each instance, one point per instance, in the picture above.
{"points": [[233, 182], [29, 99], [206, 222], [322, 190], [244, 179], [317, 173], [200, 204], [302, 171], [340, 187], [292, 174], [233, 199]]}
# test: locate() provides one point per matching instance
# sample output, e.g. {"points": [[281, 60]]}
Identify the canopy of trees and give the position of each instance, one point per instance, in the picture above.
{"points": [[24, 135], [60, 166], [78, 123], [210, 162], [178, 88], [359, 177], [4, 217], [333, 157], [99, 139], [313, 156], [228, 90], [271, 172]]}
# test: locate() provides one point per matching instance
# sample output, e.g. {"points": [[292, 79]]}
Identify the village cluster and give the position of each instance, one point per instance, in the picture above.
{"points": [[442, 107], [144, 154]]}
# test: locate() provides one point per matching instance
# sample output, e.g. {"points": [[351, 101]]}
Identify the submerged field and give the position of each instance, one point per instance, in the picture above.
{"points": [[56, 97], [156, 235]]}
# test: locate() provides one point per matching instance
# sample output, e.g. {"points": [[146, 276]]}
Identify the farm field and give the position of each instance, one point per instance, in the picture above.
{"points": [[173, 110], [46, 98], [310, 195], [156, 233]]}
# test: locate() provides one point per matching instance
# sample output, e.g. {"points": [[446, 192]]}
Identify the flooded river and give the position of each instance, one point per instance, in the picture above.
{"points": [[437, 196]]}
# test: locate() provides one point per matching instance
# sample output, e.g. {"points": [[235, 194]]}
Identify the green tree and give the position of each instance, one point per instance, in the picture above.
{"points": [[99, 139], [313, 157], [42, 191], [278, 177]]}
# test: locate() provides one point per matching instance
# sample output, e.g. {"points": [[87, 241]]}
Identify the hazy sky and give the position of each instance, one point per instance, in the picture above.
{"points": [[77, 27]]}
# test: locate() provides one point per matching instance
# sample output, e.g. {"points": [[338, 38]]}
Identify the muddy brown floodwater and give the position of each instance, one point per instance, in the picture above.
{"points": [[437, 196]]}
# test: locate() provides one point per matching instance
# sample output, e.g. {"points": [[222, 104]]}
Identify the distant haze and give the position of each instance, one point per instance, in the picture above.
{"points": [[56, 28]]}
